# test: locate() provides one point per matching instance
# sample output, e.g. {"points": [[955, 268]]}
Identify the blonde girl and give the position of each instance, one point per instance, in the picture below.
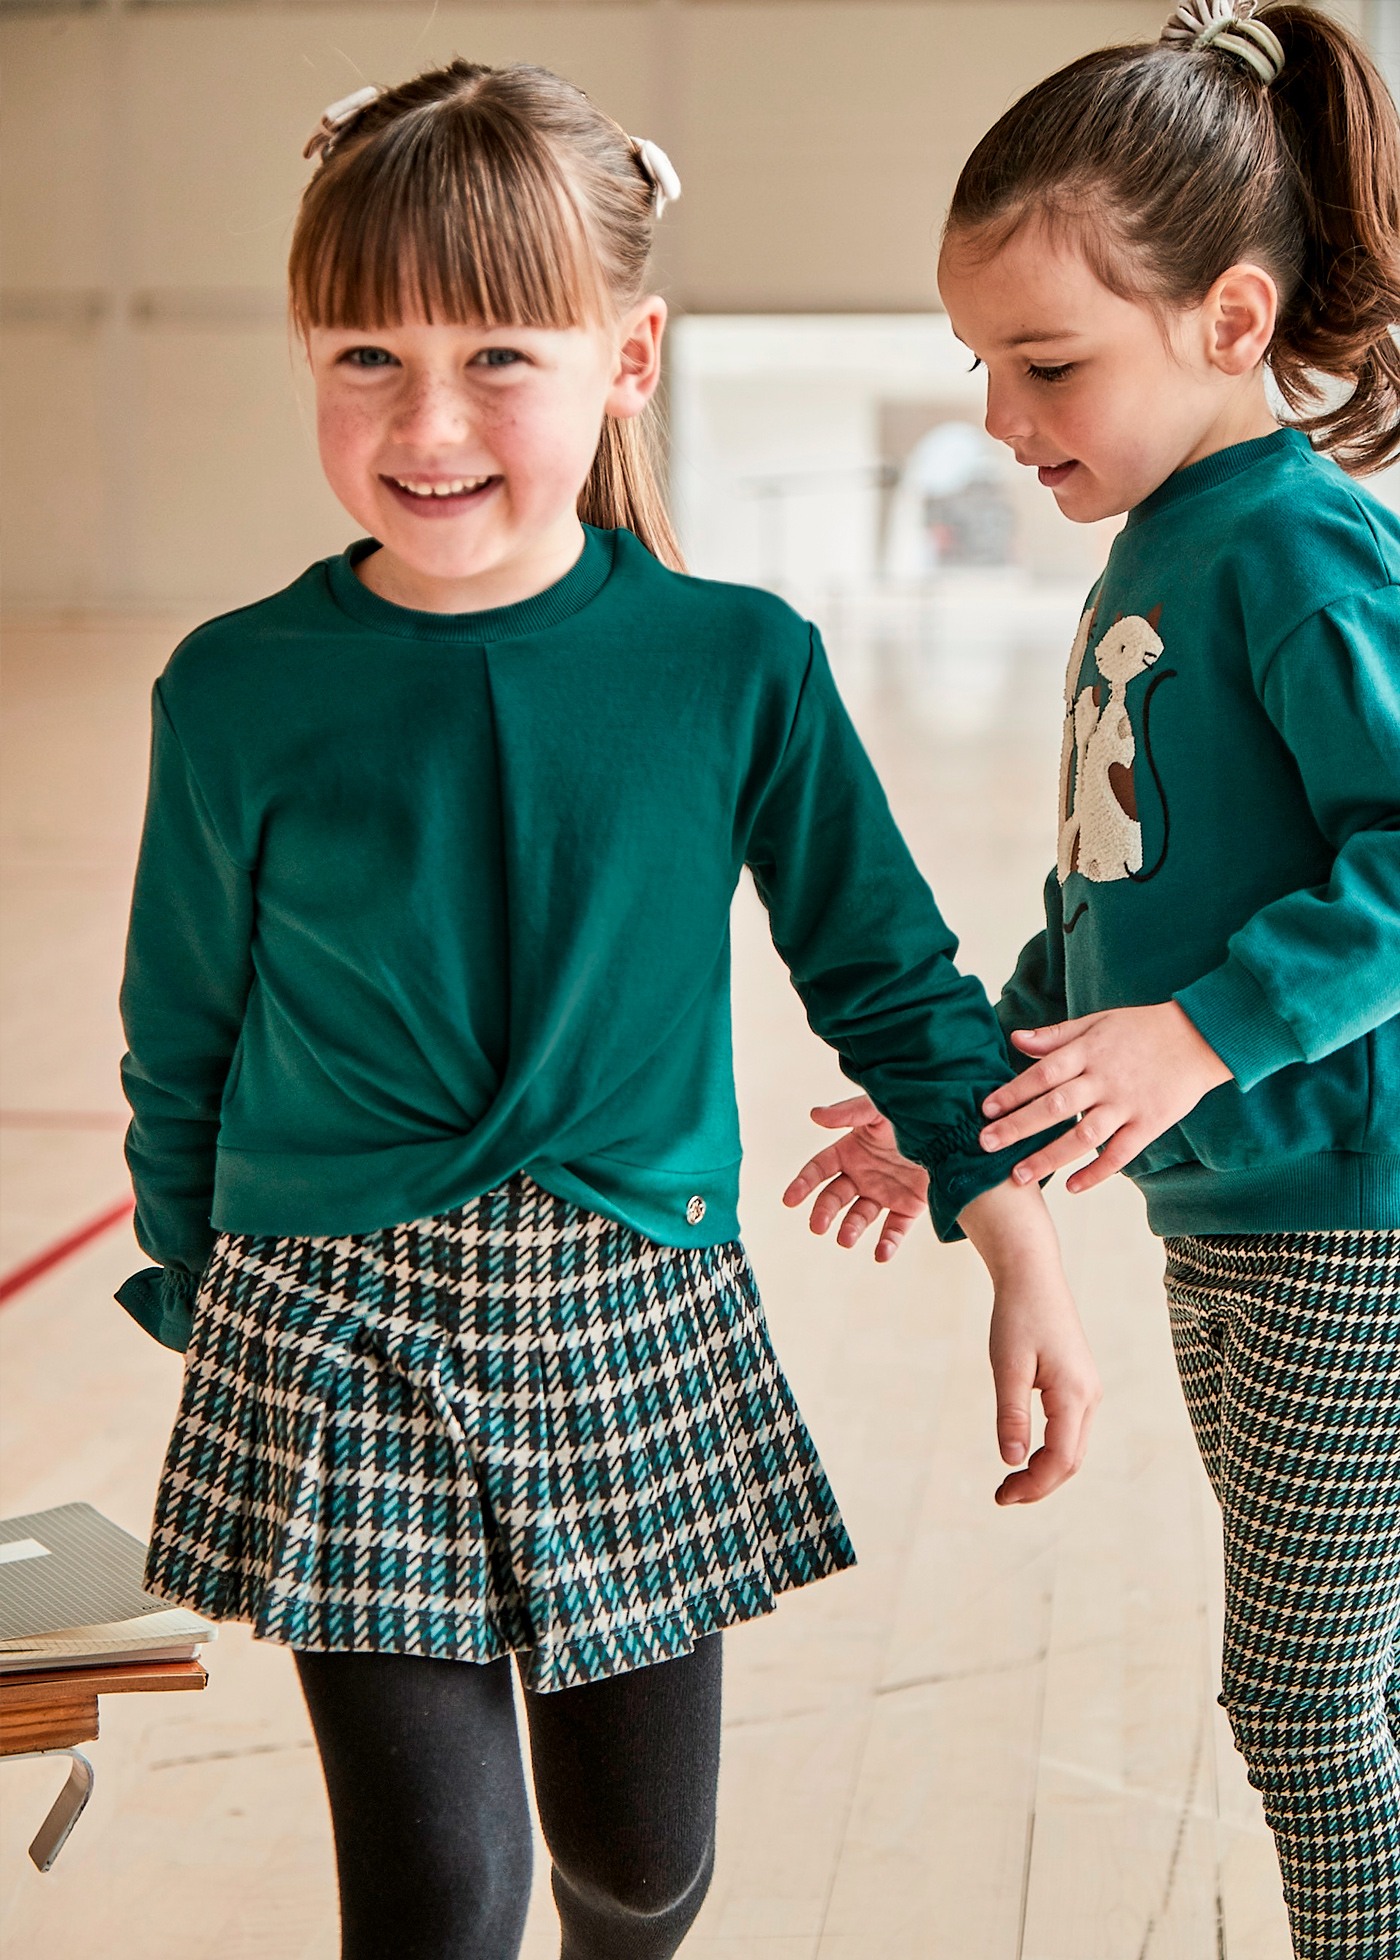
{"points": [[1133, 250], [433, 1123]]}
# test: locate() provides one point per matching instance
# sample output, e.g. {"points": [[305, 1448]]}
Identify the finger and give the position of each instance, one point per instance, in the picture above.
{"points": [[1013, 1375], [831, 1202], [1094, 1399], [852, 1114], [1050, 1466], [1068, 1410], [1083, 1396], [1056, 1106], [1125, 1145], [826, 1163], [1055, 1070], [1097, 1128], [1038, 1041], [858, 1220], [1086, 1422], [897, 1227], [1040, 1477]]}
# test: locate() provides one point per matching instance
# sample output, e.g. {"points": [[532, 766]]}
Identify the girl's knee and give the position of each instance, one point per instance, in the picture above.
{"points": [[618, 1890], [1282, 1735]]}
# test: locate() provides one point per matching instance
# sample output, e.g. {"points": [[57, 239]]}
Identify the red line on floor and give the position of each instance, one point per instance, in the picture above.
{"points": [[54, 1255]]}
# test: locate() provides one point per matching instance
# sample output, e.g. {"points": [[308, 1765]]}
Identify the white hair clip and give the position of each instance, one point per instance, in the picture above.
{"points": [[335, 120], [659, 172], [1230, 26]]}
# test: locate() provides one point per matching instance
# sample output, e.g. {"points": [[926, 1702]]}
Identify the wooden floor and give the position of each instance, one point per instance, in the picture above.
{"points": [[996, 1738]]}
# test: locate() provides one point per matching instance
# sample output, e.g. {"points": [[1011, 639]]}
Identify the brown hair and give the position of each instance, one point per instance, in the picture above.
{"points": [[499, 195], [1171, 163]]}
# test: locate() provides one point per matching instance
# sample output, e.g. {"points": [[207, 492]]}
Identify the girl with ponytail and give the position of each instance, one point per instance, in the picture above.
{"points": [[433, 1126], [1133, 253]]}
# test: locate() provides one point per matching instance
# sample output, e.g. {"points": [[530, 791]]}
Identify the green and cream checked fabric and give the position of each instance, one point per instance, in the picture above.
{"points": [[516, 1427], [1289, 1351]]}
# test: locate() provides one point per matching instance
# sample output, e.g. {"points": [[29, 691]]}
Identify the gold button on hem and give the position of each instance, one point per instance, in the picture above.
{"points": [[695, 1210]]}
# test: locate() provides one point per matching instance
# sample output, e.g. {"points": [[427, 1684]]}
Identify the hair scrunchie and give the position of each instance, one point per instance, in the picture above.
{"points": [[1230, 26]]}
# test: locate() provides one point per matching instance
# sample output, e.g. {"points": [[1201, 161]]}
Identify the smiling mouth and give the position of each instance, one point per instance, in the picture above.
{"points": [[438, 496]]}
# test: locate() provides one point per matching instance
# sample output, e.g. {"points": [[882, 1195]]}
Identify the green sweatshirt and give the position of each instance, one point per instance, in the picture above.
{"points": [[1230, 834], [425, 900]]}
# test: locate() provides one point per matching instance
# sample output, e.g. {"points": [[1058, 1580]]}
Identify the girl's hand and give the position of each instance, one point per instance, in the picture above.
{"points": [[1037, 1344], [1127, 1074], [867, 1174]]}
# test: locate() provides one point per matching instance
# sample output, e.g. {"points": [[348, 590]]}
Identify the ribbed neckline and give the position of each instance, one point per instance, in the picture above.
{"points": [[1214, 470], [558, 602]]}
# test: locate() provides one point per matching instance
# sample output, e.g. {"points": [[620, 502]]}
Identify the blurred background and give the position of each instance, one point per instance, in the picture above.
{"points": [[996, 1739]]}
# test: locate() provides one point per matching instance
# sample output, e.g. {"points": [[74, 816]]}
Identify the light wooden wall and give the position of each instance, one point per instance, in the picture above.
{"points": [[156, 446]]}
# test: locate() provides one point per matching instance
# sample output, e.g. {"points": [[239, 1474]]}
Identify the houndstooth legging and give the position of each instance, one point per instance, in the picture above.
{"points": [[1289, 1350]]}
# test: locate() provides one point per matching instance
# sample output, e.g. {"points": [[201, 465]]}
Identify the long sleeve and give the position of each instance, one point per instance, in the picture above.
{"points": [[1034, 996], [188, 972], [1321, 967], [870, 954]]}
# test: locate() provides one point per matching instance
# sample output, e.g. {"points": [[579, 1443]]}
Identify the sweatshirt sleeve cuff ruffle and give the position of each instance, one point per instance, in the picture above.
{"points": [[160, 1299], [1230, 1009], [959, 1169]]}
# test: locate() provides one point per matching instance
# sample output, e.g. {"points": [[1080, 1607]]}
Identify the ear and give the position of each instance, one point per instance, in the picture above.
{"points": [[1154, 618], [638, 366], [1238, 316]]}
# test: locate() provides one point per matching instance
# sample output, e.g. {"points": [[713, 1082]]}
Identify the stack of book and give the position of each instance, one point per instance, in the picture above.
{"points": [[70, 1596], [75, 1623]]}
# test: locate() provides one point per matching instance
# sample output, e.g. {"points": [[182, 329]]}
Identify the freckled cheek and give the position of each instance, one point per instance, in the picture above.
{"points": [[348, 435], [545, 451]]}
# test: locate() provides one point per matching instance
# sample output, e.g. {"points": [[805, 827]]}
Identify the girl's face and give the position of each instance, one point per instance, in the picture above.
{"points": [[1101, 395], [463, 449]]}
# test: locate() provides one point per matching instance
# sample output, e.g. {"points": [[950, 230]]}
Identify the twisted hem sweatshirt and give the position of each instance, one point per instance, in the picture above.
{"points": [[424, 900]]}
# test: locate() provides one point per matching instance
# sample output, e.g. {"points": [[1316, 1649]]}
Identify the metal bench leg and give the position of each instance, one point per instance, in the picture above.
{"points": [[67, 1808]]}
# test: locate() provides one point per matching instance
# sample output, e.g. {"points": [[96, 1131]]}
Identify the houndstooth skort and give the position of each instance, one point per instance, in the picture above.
{"points": [[516, 1427]]}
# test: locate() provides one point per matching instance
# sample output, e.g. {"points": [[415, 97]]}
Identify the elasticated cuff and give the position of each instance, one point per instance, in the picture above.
{"points": [[160, 1299], [959, 1169]]}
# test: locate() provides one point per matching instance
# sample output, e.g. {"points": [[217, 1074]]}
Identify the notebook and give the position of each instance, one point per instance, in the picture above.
{"points": [[71, 1596]]}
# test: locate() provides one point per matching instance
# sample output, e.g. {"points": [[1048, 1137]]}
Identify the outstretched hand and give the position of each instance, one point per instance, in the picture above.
{"points": [[1127, 1074], [862, 1174]]}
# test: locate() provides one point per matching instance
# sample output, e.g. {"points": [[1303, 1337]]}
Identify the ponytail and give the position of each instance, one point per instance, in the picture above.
{"points": [[622, 490], [1341, 128], [1175, 160]]}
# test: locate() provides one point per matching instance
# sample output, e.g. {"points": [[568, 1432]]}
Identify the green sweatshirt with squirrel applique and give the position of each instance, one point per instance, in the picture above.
{"points": [[425, 900], [1230, 834]]}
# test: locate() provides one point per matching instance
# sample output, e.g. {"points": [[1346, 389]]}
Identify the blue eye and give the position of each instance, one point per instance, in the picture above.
{"points": [[1050, 374], [368, 357], [497, 357]]}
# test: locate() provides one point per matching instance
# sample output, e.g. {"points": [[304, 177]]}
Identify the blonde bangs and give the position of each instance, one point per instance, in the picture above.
{"points": [[444, 218]]}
